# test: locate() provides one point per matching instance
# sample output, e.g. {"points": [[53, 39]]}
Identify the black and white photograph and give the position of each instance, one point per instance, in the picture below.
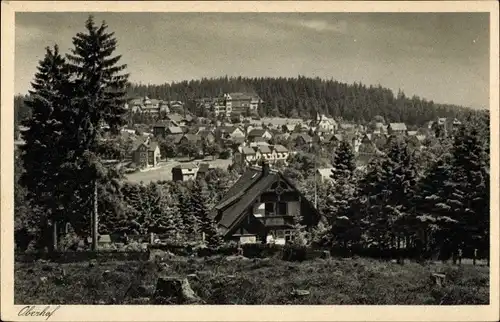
{"points": [[163, 158]]}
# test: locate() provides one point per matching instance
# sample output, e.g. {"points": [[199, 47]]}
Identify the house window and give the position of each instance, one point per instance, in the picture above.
{"points": [[288, 235], [269, 208], [282, 208], [280, 234]]}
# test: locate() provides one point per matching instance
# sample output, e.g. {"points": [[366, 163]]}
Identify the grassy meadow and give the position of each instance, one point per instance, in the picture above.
{"points": [[334, 281], [164, 171]]}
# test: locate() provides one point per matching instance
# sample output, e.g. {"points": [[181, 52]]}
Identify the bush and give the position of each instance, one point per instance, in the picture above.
{"points": [[226, 154], [294, 253]]}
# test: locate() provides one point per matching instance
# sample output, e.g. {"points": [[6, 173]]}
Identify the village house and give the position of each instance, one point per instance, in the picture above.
{"points": [[219, 107], [146, 153], [333, 140], [264, 152], [245, 155], [250, 155], [280, 153], [445, 126], [255, 134], [259, 139], [234, 142], [324, 174], [144, 105], [204, 103], [288, 128], [175, 106], [206, 135], [397, 129], [229, 132], [324, 124], [299, 139], [189, 138], [203, 169], [242, 102], [234, 103], [173, 130], [366, 150], [164, 107], [180, 120], [261, 207], [164, 128], [184, 172]]}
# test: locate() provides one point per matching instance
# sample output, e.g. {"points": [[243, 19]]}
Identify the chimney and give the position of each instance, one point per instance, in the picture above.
{"points": [[265, 168]]}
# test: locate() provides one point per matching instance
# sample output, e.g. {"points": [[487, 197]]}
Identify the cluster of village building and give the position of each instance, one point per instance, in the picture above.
{"points": [[252, 139], [227, 104], [272, 139]]}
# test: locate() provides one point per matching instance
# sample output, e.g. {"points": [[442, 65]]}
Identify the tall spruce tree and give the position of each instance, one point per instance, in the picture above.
{"points": [[432, 217], [199, 204], [387, 194], [43, 178], [344, 223], [402, 184], [100, 99], [468, 198], [187, 214]]}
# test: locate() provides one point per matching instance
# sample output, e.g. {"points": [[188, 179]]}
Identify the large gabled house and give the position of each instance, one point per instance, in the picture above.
{"points": [[261, 207], [146, 153]]}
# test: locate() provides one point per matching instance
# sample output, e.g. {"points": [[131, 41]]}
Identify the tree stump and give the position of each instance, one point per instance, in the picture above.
{"points": [[174, 290], [438, 279]]}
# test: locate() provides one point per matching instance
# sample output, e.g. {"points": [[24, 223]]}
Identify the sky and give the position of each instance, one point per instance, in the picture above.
{"points": [[442, 57]]}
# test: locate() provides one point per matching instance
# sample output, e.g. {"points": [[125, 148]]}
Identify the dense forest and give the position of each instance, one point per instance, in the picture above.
{"points": [[300, 97]]}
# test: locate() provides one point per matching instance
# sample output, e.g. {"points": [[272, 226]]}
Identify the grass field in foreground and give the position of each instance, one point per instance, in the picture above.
{"points": [[271, 281], [164, 172]]}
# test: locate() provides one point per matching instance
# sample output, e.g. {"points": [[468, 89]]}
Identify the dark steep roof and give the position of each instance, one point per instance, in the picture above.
{"points": [[257, 132], [234, 205]]}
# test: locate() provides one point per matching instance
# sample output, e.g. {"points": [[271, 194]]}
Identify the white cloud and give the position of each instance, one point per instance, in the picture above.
{"points": [[321, 25]]}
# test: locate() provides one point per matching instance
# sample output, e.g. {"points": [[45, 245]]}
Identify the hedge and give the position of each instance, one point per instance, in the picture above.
{"points": [[72, 257]]}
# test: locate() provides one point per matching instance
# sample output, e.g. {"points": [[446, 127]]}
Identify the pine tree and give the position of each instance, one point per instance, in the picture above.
{"points": [[189, 220], [42, 177], [432, 216], [168, 219], [387, 194], [342, 219], [200, 209], [468, 200], [100, 98]]}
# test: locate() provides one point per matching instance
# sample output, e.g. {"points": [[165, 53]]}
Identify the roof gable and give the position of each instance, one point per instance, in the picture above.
{"points": [[244, 193]]}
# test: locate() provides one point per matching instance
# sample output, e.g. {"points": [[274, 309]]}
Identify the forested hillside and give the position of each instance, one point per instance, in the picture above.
{"points": [[299, 97]]}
